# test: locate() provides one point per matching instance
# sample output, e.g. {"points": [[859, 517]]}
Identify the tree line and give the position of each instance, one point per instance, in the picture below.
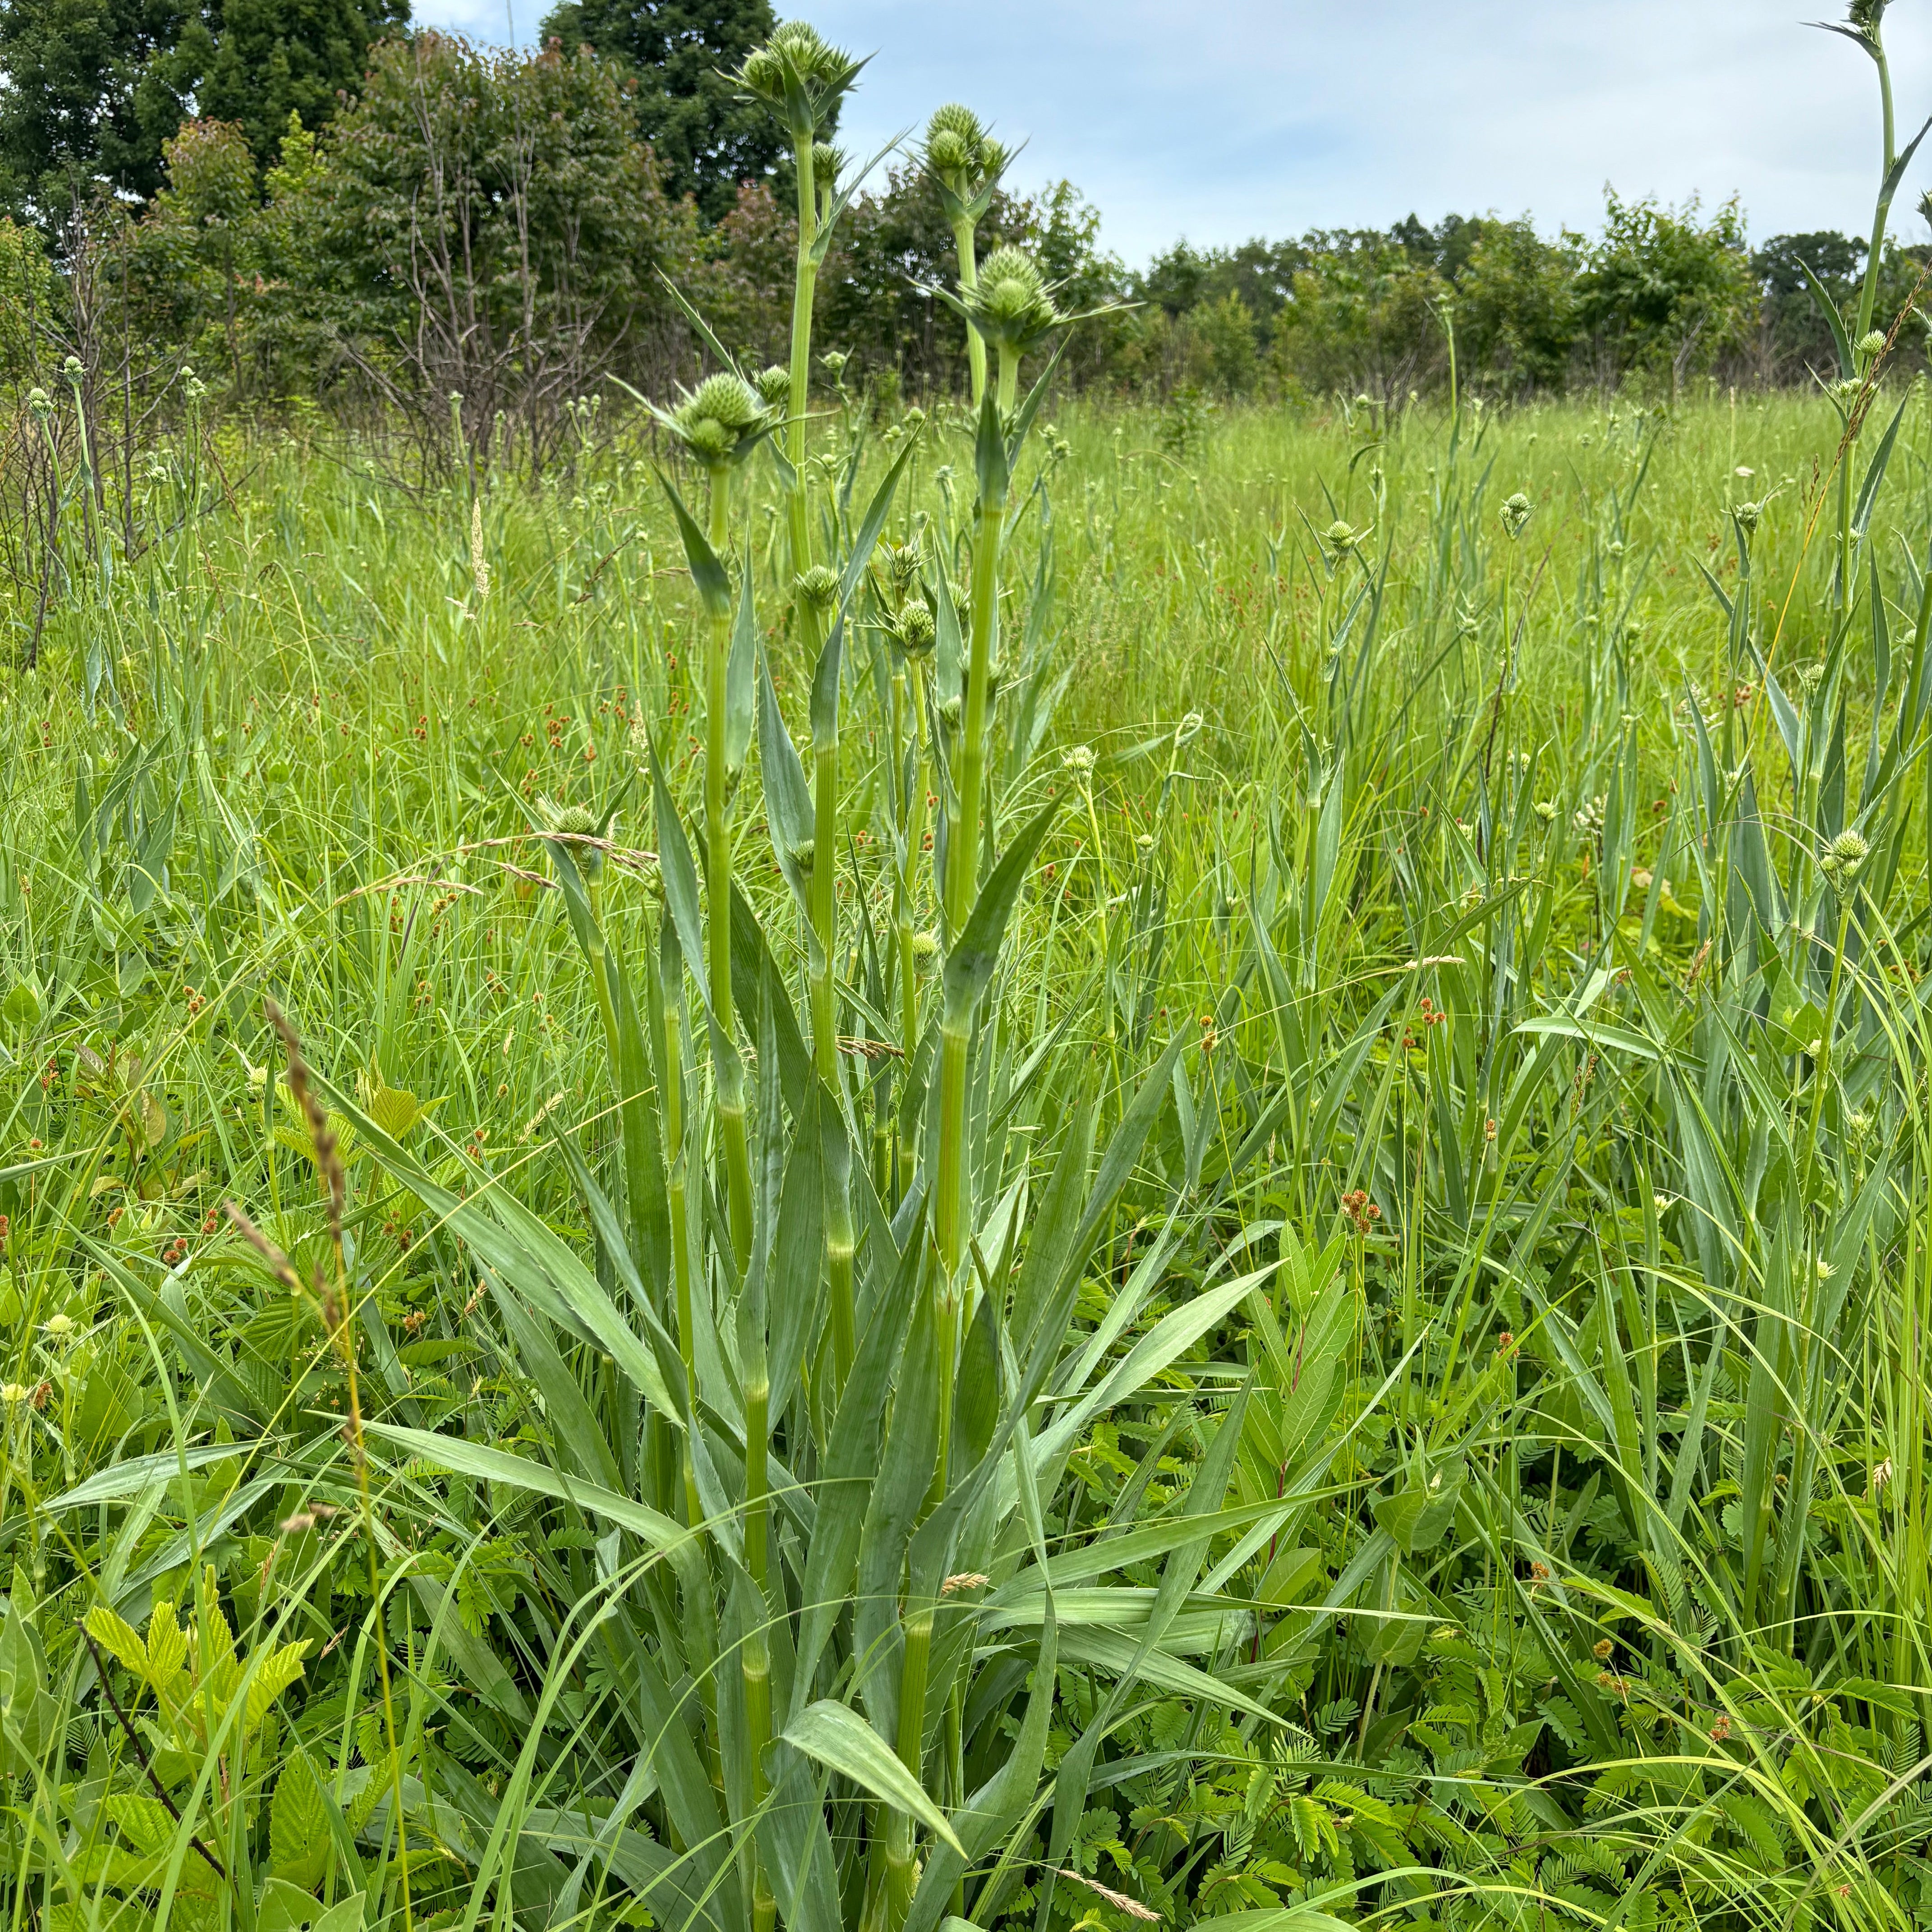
{"points": [[306, 202]]}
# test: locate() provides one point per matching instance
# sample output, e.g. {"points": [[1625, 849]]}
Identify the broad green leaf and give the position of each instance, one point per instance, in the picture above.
{"points": [[837, 1737]]}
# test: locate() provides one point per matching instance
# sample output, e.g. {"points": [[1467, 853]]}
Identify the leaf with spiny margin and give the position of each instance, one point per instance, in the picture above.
{"points": [[975, 951], [712, 580]]}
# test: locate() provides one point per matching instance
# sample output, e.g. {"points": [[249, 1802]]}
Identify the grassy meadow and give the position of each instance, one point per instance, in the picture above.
{"points": [[1332, 1331]]}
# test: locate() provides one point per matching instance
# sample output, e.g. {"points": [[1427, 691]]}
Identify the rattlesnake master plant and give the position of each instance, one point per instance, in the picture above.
{"points": [[965, 163]]}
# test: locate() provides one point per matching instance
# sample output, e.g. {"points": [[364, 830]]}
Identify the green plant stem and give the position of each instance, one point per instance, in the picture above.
{"points": [[730, 1070], [956, 1023], [906, 906], [964, 242], [804, 288]]}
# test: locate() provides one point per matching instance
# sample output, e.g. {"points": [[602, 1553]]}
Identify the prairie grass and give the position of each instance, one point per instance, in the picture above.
{"points": [[959, 1169]]}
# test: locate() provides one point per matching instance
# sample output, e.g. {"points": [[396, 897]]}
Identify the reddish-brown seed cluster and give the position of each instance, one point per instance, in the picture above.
{"points": [[1362, 1212], [210, 1221], [195, 1003], [176, 1250], [1505, 1343], [6, 1228]]}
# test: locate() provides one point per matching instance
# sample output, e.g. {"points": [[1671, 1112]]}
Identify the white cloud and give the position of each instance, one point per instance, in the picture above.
{"points": [[1228, 119]]}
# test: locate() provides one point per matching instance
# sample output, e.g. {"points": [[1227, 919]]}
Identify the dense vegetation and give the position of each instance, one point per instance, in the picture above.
{"points": [[773, 1160]]}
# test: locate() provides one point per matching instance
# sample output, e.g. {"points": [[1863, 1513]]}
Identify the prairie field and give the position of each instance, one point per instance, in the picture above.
{"points": [[1332, 1331]]}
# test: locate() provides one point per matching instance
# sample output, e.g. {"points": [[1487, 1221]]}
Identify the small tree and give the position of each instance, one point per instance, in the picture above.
{"points": [[1664, 290], [487, 224]]}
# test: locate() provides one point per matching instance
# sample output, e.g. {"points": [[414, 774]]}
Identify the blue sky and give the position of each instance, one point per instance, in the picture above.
{"points": [[1229, 118]]}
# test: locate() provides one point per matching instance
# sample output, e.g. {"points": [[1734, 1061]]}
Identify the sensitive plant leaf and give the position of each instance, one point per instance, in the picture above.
{"points": [[837, 1737]]}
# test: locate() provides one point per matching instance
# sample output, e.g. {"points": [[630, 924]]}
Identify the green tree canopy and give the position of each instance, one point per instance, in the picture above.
{"points": [[681, 53], [275, 58], [93, 90]]}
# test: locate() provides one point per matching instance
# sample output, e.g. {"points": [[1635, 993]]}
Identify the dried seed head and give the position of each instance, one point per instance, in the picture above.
{"points": [[322, 1137]]}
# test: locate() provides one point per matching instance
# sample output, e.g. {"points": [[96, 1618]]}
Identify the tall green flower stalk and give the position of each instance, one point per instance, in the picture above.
{"points": [[1010, 308], [1860, 344], [720, 423], [802, 79], [965, 164], [913, 635]]}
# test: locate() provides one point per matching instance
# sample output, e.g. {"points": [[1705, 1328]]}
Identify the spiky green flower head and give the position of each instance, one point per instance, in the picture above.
{"points": [[1012, 304], [914, 628], [577, 823], [1865, 17], [774, 385], [801, 77], [721, 420], [1869, 347], [1843, 857], [825, 161], [1516, 513], [818, 587], [953, 139]]}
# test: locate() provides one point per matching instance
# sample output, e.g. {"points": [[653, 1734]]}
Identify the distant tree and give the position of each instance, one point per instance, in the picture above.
{"points": [[1795, 336], [1516, 306], [93, 90], [1666, 291], [276, 58], [680, 54]]}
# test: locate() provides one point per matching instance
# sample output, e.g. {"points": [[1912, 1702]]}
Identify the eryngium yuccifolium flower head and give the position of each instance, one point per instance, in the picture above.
{"points": [[824, 166], [915, 629], [1342, 538], [580, 821], [1864, 16], [902, 563], [1516, 512], [925, 947], [774, 385], [1869, 344], [799, 68], [39, 402], [818, 587], [834, 361], [728, 399], [953, 137], [1747, 515], [1012, 304], [1077, 759], [71, 369], [1843, 857], [720, 419]]}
